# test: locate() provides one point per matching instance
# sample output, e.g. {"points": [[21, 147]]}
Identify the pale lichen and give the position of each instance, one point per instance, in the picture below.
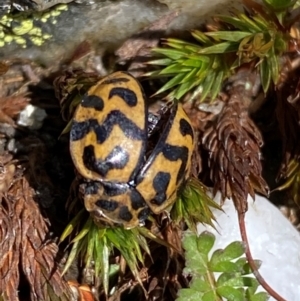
{"points": [[25, 29]]}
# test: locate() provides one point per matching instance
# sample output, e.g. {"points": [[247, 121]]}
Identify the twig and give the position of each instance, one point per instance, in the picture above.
{"points": [[258, 276]]}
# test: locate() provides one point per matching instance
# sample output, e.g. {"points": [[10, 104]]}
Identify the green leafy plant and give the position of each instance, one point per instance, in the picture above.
{"points": [[96, 244], [257, 38], [234, 283], [194, 205]]}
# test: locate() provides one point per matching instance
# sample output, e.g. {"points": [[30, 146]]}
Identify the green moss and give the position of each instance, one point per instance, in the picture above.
{"points": [[25, 29]]}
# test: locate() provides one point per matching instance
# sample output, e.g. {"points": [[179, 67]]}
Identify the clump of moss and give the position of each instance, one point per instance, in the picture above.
{"points": [[24, 29]]}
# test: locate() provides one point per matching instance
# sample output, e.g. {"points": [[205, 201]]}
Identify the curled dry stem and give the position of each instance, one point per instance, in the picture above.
{"points": [[254, 268]]}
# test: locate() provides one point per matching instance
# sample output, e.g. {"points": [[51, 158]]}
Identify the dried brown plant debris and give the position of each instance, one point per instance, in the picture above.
{"points": [[202, 114], [4, 67], [7, 172], [19, 74], [11, 106], [70, 87], [27, 257], [288, 121], [138, 47], [233, 143], [82, 50], [288, 111]]}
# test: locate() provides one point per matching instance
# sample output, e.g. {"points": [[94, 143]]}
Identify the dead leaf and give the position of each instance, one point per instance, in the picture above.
{"points": [[138, 47], [10, 107]]}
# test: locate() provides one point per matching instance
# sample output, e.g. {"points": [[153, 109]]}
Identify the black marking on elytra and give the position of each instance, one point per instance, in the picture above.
{"points": [[115, 80], [91, 188], [125, 214], [79, 130], [137, 201], [124, 93], [160, 184], [102, 131], [113, 189], [108, 205], [117, 159], [185, 128], [143, 214], [92, 101], [130, 129], [174, 153]]}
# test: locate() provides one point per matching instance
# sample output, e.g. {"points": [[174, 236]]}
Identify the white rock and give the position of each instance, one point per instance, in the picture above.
{"points": [[32, 117], [272, 239]]}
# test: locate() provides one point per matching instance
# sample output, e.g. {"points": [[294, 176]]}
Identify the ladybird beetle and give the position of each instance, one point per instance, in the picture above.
{"points": [[124, 178]]}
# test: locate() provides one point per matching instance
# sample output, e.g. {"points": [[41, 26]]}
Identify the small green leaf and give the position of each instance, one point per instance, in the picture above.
{"points": [[209, 296], [280, 4], [230, 293], [273, 63], [236, 281], [207, 84], [249, 22], [190, 75], [265, 75], [236, 22], [220, 259], [105, 265], [160, 62], [224, 47], [74, 252], [171, 83], [184, 88], [205, 242], [262, 23], [192, 63], [174, 69], [224, 266], [179, 44], [261, 296], [170, 53], [233, 250], [142, 239], [244, 265], [217, 84], [84, 231], [91, 237], [233, 36], [224, 278], [196, 262], [71, 226], [216, 257], [250, 282], [67, 128], [200, 37], [187, 294], [200, 285], [98, 251], [200, 57]]}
